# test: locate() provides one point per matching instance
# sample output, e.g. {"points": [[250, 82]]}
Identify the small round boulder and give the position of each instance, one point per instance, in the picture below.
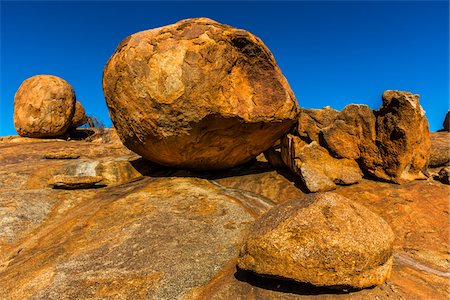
{"points": [[79, 117], [43, 106], [197, 94]]}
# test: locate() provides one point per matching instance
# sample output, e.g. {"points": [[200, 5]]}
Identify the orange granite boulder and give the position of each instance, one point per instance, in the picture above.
{"points": [[197, 94]]}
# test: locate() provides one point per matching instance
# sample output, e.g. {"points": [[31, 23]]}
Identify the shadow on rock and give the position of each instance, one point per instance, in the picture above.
{"points": [[279, 284]]}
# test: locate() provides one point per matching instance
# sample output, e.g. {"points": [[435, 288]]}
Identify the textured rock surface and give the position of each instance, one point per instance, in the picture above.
{"points": [[403, 138], [79, 117], [352, 134], [197, 94], [75, 182], [311, 121], [43, 106], [440, 149], [318, 170], [322, 239], [109, 242]]}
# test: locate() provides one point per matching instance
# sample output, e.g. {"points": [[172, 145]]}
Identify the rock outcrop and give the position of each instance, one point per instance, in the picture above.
{"points": [[403, 138], [43, 106], [352, 134], [197, 94], [311, 121], [318, 170], [322, 239], [79, 117], [392, 143]]}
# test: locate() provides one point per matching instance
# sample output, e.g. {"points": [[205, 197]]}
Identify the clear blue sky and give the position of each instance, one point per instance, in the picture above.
{"points": [[332, 53]]}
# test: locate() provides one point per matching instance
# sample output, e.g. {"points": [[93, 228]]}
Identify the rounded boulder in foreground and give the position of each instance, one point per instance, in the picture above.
{"points": [[43, 106], [321, 239], [197, 94]]}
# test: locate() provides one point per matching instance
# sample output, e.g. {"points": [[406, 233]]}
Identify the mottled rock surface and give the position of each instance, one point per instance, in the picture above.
{"points": [[322, 239], [197, 94], [79, 117], [352, 134], [159, 236], [440, 149], [318, 170], [311, 121], [43, 106], [403, 138]]}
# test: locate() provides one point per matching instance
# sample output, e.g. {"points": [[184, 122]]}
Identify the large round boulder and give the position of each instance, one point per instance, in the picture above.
{"points": [[197, 94], [43, 106]]}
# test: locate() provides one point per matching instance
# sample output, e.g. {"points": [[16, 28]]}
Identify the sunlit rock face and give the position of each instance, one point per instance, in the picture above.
{"points": [[79, 117], [321, 239], [403, 138], [43, 106], [197, 94]]}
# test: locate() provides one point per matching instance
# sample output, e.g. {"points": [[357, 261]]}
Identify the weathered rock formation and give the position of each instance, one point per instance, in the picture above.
{"points": [[391, 143], [197, 94], [318, 170], [322, 239], [352, 134], [403, 138], [79, 117], [311, 121], [43, 106]]}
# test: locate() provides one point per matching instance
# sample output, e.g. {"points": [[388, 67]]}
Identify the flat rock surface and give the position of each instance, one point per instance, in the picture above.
{"points": [[175, 234]]}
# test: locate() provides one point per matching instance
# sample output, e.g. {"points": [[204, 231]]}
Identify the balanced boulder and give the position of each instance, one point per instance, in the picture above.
{"points": [[79, 117], [321, 239], [43, 106], [197, 94]]}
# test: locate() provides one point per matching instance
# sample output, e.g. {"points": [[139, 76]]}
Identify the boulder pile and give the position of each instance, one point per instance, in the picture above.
{"points": [[197, 94], [328, 147]]}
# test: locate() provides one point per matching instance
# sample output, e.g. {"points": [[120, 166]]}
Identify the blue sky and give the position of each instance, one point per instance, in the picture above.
{"points": [[332, 53]]}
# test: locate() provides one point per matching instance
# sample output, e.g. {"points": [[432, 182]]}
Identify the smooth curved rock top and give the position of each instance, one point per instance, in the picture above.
{"points": [[197, 94], [43, 106], [322, 239]]}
